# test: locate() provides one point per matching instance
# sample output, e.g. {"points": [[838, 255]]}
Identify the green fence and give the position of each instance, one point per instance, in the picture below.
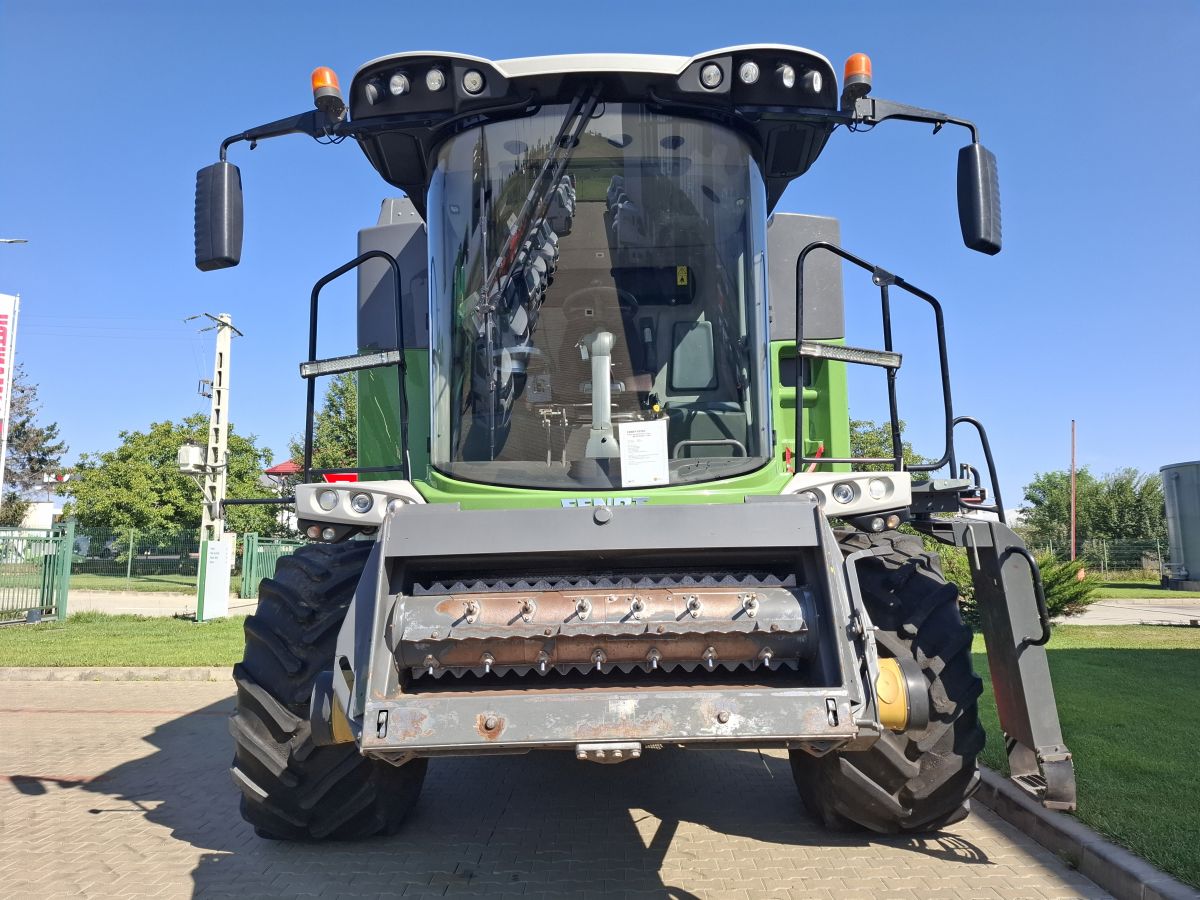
{"points": [[1114, 557], [137, 558], [35, 572], [259, 558]]}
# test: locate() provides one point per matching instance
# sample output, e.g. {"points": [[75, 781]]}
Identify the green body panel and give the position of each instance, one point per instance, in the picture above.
{"points": [[828, 417], [379, 440], [379, 421]]}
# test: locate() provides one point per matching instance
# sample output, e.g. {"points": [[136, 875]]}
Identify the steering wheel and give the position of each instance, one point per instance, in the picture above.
{"points": [[601, 297]]}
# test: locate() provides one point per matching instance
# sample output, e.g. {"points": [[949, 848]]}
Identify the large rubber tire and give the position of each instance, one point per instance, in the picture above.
{"points": [[291, 788], [915, 781]]}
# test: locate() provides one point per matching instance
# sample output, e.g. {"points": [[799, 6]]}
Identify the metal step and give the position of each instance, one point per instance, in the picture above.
{"points": [[885, 359], [336, 365]]}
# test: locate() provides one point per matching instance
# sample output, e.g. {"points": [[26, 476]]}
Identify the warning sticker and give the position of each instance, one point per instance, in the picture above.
{"points": [[681, 273], [644, 453]]}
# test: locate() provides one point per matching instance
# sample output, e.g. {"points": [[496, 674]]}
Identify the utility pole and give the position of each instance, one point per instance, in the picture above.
{"points": [[214, 487], [1072, 490], [211, 465], [212, 523]]}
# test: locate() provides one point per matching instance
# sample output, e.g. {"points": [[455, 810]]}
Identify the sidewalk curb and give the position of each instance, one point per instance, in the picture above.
{"points": [[1118, 871], [1148, 601], [115, 673]]}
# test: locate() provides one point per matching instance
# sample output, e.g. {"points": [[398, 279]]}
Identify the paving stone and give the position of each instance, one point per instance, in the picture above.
{"points": [[121, 789]]}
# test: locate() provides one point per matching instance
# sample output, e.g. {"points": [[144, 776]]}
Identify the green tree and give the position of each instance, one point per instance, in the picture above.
{"points": [[33, 448], [874, 439], [1129, 507], [12, 511], [1048, 515], [1124, 505], [335, 428], [139, 485]]}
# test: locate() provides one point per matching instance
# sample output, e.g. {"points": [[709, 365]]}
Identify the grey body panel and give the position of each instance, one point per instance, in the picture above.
{"points": [[824, 316], [401, 233], [1038, 758], [395, 717], [441, 530]]}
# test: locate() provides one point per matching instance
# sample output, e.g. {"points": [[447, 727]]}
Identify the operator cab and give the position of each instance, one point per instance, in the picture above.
{"points": [[597, 251], [600, 231]]}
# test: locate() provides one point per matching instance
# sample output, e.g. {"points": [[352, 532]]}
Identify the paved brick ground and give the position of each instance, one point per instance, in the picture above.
{"points": [[120, 789]]}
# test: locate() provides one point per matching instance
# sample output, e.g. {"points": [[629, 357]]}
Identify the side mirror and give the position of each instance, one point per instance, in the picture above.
{"points": [[218, 217], [979, 199]]}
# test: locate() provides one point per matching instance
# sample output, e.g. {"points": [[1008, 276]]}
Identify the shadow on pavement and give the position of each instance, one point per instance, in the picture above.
{"points": [[542, 821]]}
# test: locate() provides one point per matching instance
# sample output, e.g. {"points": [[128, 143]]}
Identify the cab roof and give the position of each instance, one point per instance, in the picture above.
{"points": [[785, 120]]}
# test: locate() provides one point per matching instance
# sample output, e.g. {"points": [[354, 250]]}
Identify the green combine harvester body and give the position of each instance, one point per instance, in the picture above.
{"points": [[605, 499]]}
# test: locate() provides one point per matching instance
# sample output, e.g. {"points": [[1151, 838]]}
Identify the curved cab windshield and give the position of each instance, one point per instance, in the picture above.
{"points": [[597, 282]]}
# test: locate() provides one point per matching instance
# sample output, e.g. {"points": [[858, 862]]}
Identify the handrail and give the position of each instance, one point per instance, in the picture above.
{"points": [[883, 279], [401, 369]]}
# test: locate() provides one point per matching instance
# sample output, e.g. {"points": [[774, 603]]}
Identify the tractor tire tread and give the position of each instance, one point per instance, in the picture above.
{"points": [[293, 789], [913, 781]]}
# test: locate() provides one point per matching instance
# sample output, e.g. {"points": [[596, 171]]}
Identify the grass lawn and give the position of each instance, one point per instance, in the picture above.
{"points": [[1126, 701], [95, 639], [171, 584], [1140, 590]]}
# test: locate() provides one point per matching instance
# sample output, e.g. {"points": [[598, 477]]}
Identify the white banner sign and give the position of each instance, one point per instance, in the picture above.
{"points": [[8, 337]]}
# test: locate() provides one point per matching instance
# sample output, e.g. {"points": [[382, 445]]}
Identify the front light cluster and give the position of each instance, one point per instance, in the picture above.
{"points": [[847, 492], [360, 502], [399, 83]]}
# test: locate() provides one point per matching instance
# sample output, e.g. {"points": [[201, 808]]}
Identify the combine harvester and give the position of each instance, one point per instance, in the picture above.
{"points": [[603, 444]]}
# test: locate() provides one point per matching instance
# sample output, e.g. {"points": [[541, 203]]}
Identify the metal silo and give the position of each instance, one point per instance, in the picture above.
{"points": [[1181, 489]]}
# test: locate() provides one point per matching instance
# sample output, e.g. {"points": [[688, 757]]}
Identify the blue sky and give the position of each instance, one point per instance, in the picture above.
{"points": [[1091, 310]]}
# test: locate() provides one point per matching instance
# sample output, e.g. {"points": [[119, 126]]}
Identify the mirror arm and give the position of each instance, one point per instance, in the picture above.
{"points": [[871, 111], [314, 123]]}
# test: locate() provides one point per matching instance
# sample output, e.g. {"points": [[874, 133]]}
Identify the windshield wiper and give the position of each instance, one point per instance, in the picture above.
{"points": [[547, 180], [536, 203]]}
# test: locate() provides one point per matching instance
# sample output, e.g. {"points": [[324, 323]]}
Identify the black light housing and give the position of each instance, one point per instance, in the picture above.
{"points": [[218, 217], [979, 199]]}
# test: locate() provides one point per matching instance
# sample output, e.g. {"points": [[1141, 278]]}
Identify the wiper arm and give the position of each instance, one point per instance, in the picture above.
{"points": [[538, 199]]}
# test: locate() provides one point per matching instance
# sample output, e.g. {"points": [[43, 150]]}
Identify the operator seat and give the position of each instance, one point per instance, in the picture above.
{"points": [[598, 308]]}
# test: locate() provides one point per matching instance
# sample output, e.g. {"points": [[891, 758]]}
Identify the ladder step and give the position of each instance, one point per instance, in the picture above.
{"points": [[883, 358], [335, 365]]}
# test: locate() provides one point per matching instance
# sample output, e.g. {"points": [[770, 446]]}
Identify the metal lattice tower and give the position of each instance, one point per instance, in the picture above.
{"points": [[212, 525]]}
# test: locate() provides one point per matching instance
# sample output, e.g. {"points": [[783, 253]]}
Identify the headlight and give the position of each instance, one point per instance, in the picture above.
{"points": [[748, 72], [472, 82], [327, 500], [843, 492], [711, 76], [435, 79], [361, 503], [398, 84], [877, 488], [787, 75]]}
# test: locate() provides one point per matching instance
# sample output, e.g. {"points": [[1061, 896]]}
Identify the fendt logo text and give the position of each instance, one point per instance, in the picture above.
{"points": [[572, 502]]}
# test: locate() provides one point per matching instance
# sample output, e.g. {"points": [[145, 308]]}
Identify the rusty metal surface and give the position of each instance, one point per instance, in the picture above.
{"points": [[584, 631], [484, 722]]}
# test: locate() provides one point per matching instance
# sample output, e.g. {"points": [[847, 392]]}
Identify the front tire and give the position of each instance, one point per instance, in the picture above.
{"points": [[293, 789], [914, 781]]}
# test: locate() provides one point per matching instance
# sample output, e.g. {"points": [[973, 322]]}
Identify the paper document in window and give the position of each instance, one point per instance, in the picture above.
{"points": [[644, 453]]}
